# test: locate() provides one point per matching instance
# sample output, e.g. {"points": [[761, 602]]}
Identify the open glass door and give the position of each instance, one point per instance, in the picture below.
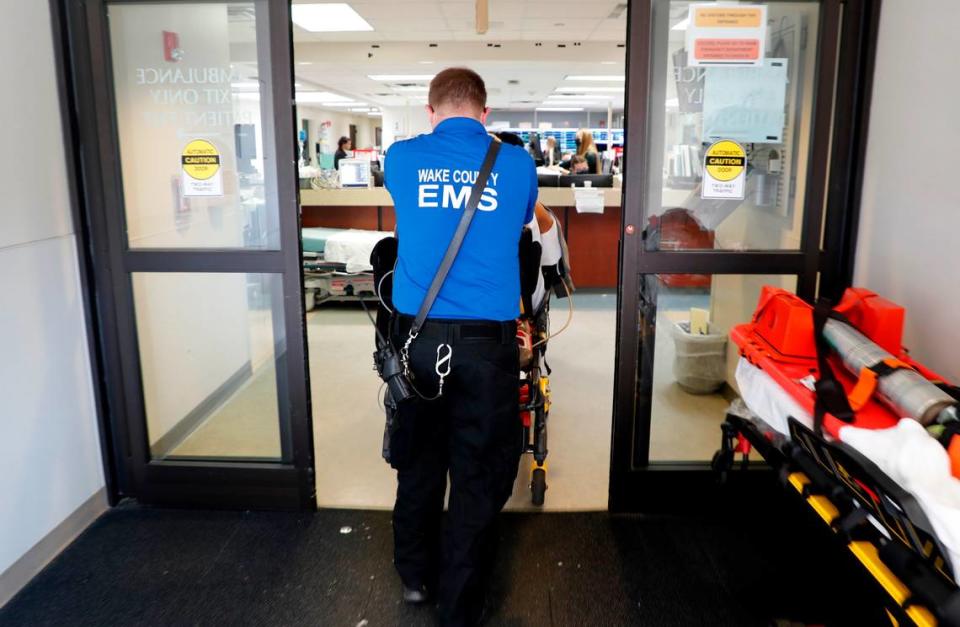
{"points": [[730, 130], [197, 216]]}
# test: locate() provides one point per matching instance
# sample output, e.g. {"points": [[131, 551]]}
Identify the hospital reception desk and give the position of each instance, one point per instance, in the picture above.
{"points": [[592, 238]]}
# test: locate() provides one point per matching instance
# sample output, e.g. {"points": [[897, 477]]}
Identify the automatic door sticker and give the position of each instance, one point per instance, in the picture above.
{"points": [[724, 171], [202, 173]]}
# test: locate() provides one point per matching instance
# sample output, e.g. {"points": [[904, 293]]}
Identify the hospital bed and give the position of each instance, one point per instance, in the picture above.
{"points": [[336, 264]]}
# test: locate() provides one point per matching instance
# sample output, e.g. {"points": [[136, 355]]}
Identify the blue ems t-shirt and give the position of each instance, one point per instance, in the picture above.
{"points": [[429, 178]]}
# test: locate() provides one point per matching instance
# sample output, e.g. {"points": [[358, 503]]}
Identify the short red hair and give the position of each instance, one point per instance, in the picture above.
{"points": [[458, 87]]}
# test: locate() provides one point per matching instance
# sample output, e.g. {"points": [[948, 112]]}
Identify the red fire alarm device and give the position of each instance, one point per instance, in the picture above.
{"points": [[171, 47]]}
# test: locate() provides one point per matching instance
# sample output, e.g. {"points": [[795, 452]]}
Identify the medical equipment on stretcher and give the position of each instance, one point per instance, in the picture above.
{"points": [[880, 381], [836, 405]]}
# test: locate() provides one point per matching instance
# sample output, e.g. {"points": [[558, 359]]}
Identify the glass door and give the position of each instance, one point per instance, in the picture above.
{"points": [[198, 219], [730, 124]]}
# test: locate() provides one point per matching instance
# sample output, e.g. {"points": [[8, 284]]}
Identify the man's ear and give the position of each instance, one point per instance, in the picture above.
{"points": [[431, 114], [483, 116]]}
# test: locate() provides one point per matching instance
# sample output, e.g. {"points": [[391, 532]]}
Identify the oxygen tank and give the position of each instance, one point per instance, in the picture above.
{"points": [[906, 391]]}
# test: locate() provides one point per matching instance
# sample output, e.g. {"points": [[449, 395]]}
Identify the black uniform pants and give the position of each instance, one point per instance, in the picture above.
{"points": [[474, 432]]}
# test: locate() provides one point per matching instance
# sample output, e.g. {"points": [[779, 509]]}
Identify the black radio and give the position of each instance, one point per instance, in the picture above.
{"points": [[390, 369]]}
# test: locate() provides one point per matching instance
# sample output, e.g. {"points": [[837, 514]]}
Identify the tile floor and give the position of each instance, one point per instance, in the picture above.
{"points": [[348, 422]]}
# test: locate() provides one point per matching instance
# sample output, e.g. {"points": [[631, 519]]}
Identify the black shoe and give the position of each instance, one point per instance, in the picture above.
{"points": [[415, 596]]}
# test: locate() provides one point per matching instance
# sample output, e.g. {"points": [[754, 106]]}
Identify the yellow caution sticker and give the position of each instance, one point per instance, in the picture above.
{"points": [[200, 159], [724, 170], [202, 176]]}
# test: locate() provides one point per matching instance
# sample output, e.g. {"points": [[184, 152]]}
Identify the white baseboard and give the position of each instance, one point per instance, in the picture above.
{"points": [[42, 553]]}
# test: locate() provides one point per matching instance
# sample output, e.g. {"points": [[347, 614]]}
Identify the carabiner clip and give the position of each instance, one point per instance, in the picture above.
{"points": [[443, 360]]}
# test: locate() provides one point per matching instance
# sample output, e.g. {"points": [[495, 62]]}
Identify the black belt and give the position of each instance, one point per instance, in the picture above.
{"points": [[453, 331]]}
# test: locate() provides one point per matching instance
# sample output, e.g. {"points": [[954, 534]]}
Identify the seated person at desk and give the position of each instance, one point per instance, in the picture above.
{"points": [[587, 149], [534, 149], [552, 155], [342, 147], [578, 165]]}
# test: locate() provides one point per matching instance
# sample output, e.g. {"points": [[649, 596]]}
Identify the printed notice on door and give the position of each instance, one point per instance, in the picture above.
{"points": [[201, 171], [725, 34], [724, 171]]}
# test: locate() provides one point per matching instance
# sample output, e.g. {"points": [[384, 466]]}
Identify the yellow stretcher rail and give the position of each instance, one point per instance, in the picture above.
{"points": [[867, 553]]}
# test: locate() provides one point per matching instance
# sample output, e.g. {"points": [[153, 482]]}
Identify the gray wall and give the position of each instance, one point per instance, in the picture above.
{"points": [[48, 430], [909, 240]]}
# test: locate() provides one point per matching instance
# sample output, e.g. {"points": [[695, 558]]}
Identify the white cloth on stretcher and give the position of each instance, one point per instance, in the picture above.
{"points": [[352, 247], [906, 453]]}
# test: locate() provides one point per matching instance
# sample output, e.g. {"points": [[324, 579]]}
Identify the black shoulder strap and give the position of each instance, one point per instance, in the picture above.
{"points": [[458, 236], [830, 395]]}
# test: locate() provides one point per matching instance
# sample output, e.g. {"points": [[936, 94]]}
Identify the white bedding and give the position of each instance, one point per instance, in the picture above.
{"points": [[352, 247], [906, 453]]}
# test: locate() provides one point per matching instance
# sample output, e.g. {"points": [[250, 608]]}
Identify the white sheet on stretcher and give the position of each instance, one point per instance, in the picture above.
{"points": [[353, 247], [906, 453]]}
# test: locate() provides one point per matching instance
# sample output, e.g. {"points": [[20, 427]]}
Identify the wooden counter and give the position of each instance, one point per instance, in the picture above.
{"points": [[380, 197], [592, 238]]}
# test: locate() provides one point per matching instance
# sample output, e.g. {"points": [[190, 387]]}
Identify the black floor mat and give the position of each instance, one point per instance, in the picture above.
{"points": [[141, 566]]}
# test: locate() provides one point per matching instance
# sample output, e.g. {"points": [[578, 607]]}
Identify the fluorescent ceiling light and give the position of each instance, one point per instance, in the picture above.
{"points": [[412, 88], [574, 102], [581, 96], [375, 114], [360, 109], [682, 24], [321, 96], [425, 62], [574, 88], [337, 17], [608, 63], [598, 77], [401, 77], [559, 109]]}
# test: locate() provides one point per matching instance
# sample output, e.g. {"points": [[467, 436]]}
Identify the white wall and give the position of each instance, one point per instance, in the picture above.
{"points": [[403, 122], [909, 240], [49, 446]]}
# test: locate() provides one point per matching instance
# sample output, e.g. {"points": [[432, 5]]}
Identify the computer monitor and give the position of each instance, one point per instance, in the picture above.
{"points": [[355, 173], [547, 180], [579, 180]]}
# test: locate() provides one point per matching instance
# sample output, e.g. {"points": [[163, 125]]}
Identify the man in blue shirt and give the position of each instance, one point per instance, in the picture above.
{"points": [[472, 429]]}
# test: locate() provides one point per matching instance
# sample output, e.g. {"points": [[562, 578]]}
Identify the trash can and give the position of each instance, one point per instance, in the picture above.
{"points": [[700, 362]]}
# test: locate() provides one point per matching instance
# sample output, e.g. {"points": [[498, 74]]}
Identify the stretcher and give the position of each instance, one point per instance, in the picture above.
{"points": [[858, 472], [336, 264], [544, 272]]}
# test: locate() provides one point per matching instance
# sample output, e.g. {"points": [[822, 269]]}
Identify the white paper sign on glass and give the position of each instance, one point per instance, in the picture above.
{"points": [[746, 103]]}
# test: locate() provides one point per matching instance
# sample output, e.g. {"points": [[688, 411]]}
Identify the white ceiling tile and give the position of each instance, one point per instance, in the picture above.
{"points": [[568, 10], [421, 28]]}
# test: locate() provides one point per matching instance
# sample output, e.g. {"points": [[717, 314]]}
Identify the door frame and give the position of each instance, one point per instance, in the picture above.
{"points": [[92, 140], [847, 34]]}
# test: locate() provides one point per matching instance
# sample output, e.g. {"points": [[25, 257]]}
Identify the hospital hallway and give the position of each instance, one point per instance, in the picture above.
{"points": [[348, 419], [143, 566]]}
